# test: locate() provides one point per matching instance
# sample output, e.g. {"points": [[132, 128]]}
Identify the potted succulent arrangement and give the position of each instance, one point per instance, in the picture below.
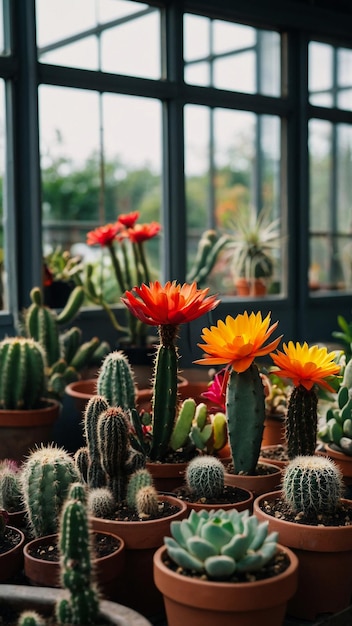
{"points": [[314, 520], [122, 500], [236, 342], [205, 488], [80, 602], [224, 567], [11, 549]]}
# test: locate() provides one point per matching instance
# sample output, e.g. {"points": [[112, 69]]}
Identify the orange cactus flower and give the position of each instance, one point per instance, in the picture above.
{"points": [[142, 232], [306, 365], [171, 304], [103, 235], [128, 219], [238, 341]]}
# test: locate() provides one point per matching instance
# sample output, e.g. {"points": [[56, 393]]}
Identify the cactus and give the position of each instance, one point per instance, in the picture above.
{"points": [[45, 478], [30, 618], [82, 607], [301, 422], [101, 502], [22, 374], [147, 502], [140, 478], [116, 381], [164, 401], [205, 477], [4, 518], [338, 427], [312, 484], [10, 487], [209, 247], [219, 543], [95, 472], [245, 410]]}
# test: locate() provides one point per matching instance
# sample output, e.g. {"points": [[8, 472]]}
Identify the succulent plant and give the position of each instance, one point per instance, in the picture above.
{"points": [[205, 477], [82, 606], [338, 427], [219, 543], [46, 476], [116, 381], [22, 374], [312, 484], [141, 493]]}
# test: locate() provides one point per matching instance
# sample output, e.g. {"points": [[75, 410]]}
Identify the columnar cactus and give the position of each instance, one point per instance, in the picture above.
{"points": [[141, 494], [245, 411], [312, 484], [46, 477], [76, 569], [116, 381], [205, 477], [95, 472], [10, 487], [22, 373], [219, 543], [301, 422]]}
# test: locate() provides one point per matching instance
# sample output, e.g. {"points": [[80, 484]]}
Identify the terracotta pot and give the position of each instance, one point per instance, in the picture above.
{"points": [[274, 430], [47, 573], [261, 483], [20, 430], [11, 562], [325, 558], [43, 600], [194, 602], [136, 589], [343, 461], [256, 287], [246, 503], [167, 476], [263, 459]]}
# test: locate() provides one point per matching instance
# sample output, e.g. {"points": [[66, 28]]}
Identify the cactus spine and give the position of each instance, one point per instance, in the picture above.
{"points": [[30, 618], [301, 422], [116, 381], [76, 570], [245, 411], [205, 477], [46, 477], [101, 502], [95, 472], [312, 484], [10, 488], [164, 400], [22, 373]]}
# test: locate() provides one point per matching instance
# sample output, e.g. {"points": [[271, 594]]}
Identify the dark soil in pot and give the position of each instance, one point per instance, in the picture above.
{"points": [[279, 508], [102, 545], [274, 453], [10, 540], [230, 495], [125, 514]]}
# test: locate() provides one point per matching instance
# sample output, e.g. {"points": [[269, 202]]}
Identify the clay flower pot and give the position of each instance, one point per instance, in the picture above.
{"points": [[258, 484], [325, 558], [45, 573], [136, 588], [11, 562], [192, 601], [274, 429]]}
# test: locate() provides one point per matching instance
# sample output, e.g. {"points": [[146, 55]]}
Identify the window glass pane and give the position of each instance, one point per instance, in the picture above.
{"points": [[320, 74], [344, 59], [2, 42], [344, 195], [227, 185], [4, 301], [112, 35], [97, 166], [239, 58]]}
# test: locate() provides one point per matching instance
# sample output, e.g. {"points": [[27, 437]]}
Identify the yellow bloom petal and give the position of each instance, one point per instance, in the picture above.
{"points": [[305, 365]]}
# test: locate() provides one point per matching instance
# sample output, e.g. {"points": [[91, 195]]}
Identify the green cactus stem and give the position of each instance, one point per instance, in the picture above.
{"points": [[164, 401], [96, 476], [301, 422], [101, 502], [205, 477], [245, 411], [116, 381], [30, 618], [22, 374]]}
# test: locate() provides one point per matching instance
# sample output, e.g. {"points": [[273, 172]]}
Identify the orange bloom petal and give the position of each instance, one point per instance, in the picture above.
{"points": [[128, 219], [238, 341], [305, 365], [103, 235], [142, 232], [172, 303]]}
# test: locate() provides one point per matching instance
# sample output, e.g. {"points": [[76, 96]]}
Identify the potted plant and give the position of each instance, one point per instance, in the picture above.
{"points": [[122, 500], [205, 487], [236, 343], [218, 567], [255, 238], [313, 519], [11, 549], [80, 603], [27, 414], [11, 493]]}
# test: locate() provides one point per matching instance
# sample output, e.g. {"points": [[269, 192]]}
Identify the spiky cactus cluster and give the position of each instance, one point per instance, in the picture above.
{"points": [[116, 381], [245, 412], [141, 494], [22, 373], [219, 543], [82, 606], [312, 484], [301, 422], [205, 477], [338, 427], [46, 477], [10, 487], [30, 618]]}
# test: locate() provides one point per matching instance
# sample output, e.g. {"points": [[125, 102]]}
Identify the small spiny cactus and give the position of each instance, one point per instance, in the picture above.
{"points": [[101, 502], [147, 502], [205, 477], [312, 484], [10, 487], [30, 618], [22, 373], [116, 381]]}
